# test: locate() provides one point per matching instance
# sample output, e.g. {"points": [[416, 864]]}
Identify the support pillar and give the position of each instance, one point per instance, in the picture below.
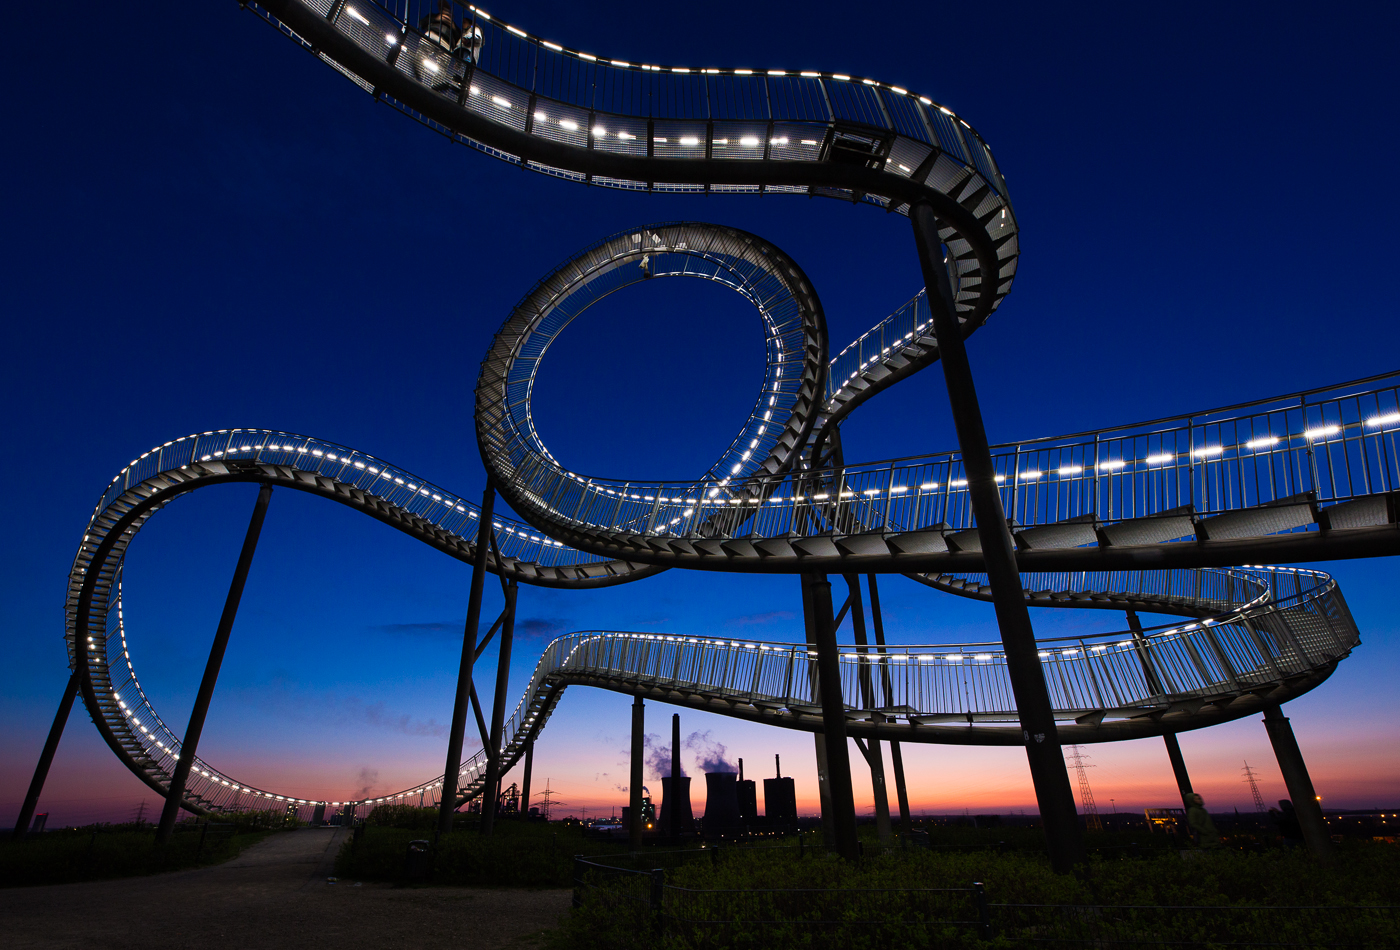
{"points": [[635, 822], [492, 788], [464, 670], [41, 771], [824, 793], [175, 794], [673, 809], [818, 740], [1183, 778], [525, 781], [906, 824], [875, 758], [1047, 763], [1299, 783], [838, 753]]}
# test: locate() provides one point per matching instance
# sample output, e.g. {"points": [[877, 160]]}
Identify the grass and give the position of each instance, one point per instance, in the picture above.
{"points": [[97, 852], [1136, 890], [1121, 898]]}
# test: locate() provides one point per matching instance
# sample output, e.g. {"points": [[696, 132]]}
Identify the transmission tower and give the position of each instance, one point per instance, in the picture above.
{"points": [[1254, 788], [546, 801], [1086, 794]]}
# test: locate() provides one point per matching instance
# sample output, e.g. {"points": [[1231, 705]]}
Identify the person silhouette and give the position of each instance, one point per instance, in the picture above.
{"points": [[1203, 831], [441, 27]]}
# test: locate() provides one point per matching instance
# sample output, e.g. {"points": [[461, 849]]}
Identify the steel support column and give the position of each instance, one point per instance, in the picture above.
{"points": [[1183, 778], [875, 758], [818, 740], [906, 824], [492, 790], [634, 785], [1299, 783], [525, 779], [1047, 763], [464, 671], [175, 793], [838, 753], [41, 771]]}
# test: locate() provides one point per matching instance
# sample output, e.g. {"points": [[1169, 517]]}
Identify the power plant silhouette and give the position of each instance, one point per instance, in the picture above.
{"points": [[731, 801]]}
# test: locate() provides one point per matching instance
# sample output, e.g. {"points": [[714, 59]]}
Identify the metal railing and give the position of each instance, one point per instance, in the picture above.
{"points": [[345, 466], [572, 97], [1287, 622], [1323, 446]]}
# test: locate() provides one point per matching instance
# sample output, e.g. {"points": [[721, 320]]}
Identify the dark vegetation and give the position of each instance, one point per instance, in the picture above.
{"points": [[1124, 897], [518, 854], [99, 851]]}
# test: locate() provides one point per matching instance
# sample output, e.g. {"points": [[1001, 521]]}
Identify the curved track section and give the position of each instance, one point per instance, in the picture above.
{"points": [[1312, 475], [1284, 634], [769, 442], [1270, 634], [576, 115]]}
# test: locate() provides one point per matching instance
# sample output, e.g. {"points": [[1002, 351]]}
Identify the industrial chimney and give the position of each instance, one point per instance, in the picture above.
{"points": [[676, 817], [779, 800], [748, 799]]}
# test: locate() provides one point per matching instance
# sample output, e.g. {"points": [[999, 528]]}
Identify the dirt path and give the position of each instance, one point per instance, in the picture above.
{"points": [[273, 895]]}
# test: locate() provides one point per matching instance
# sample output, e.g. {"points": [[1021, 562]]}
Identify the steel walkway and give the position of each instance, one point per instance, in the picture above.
{"points": [[1129, 518]]}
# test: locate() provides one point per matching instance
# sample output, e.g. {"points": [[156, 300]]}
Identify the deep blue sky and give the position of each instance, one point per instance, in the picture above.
{"points": [[206, 227]]}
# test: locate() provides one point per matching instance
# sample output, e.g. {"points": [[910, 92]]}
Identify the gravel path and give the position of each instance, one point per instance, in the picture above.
{"points": [[273, 895]]}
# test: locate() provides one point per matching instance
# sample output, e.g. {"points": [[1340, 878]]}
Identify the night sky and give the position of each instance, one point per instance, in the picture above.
{"points": [[205, 227]]}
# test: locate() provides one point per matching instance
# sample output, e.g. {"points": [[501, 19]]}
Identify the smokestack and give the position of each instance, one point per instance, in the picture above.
{"points": [[676, 745], [778, 764], [780, 803], [741, 769], [676, 816]]}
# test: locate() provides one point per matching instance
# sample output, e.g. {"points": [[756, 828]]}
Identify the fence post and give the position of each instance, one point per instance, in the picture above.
{"points": [[578, 881], [658, 893], [984, 917]]}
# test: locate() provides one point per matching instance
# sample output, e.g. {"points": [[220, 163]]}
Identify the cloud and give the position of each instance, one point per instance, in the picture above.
{"points": [[540, 626], [377, 715], [710, 755], [760, 620], [657, 757], [368, 778]]}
